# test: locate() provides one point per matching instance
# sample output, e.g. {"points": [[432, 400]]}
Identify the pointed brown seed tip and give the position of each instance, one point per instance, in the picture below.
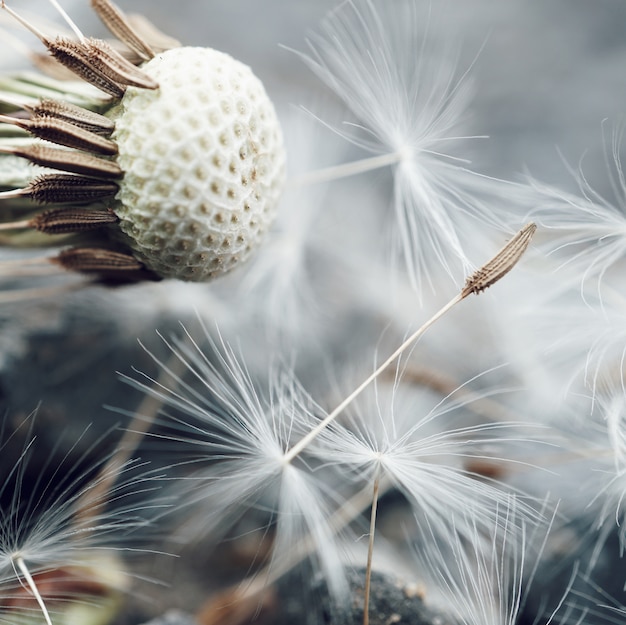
{"points": [[97, 63], [64, 133], [501, 263], [115, 66], [68, 188], [75, 57], [67, 160], [66, 220], [119, 25], [96, 260], [75, 115]]}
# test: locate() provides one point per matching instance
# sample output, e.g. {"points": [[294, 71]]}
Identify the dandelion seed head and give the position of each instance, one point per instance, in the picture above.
{"points": [[203, 163], [187, 139]]}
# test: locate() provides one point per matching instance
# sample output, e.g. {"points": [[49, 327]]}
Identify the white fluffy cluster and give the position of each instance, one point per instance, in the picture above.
{"points": [[203, 161]]}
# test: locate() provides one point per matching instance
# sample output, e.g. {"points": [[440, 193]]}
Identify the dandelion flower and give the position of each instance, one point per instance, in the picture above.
{"points": [[171, 167]]}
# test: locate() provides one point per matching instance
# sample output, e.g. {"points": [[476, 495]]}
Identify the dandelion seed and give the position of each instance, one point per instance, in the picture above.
{"points": [[61, 535], [480, 280], [240, 435], [408, 101], [422, 452]]}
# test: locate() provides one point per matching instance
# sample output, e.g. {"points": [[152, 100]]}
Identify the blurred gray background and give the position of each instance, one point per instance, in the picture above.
{"points": [[549, 80]]}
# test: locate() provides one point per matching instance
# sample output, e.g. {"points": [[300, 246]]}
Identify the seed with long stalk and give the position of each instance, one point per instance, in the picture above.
{"points": [[476, 283], [480, 280], [253, 433]]}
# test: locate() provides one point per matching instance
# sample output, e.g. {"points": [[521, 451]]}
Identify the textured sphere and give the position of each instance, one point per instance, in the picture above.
{"points": [[203, 161]]}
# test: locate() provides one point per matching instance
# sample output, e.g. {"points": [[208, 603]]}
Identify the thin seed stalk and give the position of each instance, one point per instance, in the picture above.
{"points": [[322, 425], [21, 565], [483, 278], [370, 548], [328, 174], [76, 115]]}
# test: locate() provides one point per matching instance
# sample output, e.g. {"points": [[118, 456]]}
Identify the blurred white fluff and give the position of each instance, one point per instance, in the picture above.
{"points": [[67, 523], [421, 447], [607, 483], [298, 275], [236, 432], [584, 336], [408, 98], [483, 581], [587, 230]]}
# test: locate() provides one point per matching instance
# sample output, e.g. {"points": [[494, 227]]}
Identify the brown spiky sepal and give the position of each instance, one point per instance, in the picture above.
{"points": [[77, 59], [75, 115], [64, 133], [96, 260], [501, 263], [115, 66], [67, 220], [67, 160], [119, 25], [104, 265], [69, 189]]}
